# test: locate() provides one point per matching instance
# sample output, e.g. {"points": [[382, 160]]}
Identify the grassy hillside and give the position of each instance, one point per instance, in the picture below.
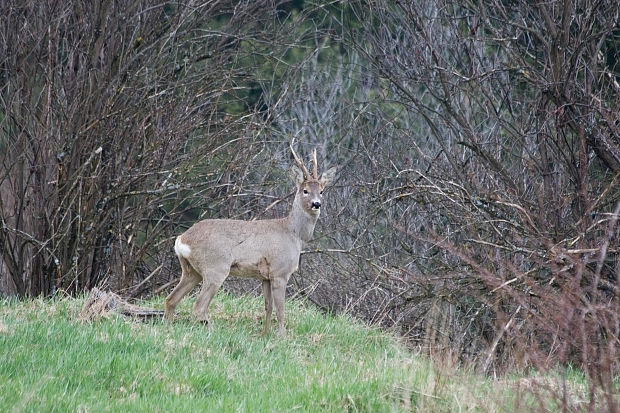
{"points": [[51, 361]]}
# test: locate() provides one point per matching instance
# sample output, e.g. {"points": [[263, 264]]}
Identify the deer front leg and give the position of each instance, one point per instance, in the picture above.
{"points": [[278, 292], [268, 305]]}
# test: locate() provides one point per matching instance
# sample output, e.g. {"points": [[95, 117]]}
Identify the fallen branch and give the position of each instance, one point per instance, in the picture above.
{"points": [[103, 304]]}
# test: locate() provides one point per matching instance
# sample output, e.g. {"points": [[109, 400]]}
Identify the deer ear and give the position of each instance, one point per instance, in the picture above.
{"points": [[328, 176], [296, 174]]}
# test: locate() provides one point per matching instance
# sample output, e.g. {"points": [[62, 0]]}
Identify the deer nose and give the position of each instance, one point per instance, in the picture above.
{"points": [[316, 204]]}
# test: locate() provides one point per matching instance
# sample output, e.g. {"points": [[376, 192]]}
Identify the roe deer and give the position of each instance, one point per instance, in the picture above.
{"points": [[264, 249]]}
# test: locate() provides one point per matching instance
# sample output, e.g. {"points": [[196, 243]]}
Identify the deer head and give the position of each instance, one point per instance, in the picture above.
{"points": [[310, 185]]}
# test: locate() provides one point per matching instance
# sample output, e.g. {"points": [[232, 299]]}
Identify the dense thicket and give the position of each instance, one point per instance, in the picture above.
{"points": [[477, 204], [117, 119]]}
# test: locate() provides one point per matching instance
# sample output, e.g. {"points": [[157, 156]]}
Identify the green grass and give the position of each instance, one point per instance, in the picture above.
{"points": [[51, 361]]}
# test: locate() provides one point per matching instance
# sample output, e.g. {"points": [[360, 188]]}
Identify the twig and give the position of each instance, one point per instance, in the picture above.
{"points": [[487, 362]]}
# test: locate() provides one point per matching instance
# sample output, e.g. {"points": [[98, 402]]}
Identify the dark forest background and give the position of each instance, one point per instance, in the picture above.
{"points": [[476, 208]]}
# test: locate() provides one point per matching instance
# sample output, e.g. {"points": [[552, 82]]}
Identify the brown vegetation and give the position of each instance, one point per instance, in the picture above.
{"points": [[477, 208]]}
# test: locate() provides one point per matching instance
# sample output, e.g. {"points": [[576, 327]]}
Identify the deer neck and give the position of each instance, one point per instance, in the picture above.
{"points": [[300, 222]]}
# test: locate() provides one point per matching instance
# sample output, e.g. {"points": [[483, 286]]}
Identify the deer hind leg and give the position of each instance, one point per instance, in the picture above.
{"points": [[268, 305], [213, 278], [207, 292], [189, 279]]}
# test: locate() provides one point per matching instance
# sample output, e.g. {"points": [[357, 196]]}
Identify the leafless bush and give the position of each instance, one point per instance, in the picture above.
{"points": [[118, 122], [476, 211], [491, 163]]}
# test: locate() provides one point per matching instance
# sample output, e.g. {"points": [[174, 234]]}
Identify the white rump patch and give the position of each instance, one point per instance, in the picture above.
{"points": [[181, 249]]}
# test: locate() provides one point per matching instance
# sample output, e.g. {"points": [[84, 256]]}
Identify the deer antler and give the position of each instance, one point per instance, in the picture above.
{"points": [[300, 163], [315, 170]]}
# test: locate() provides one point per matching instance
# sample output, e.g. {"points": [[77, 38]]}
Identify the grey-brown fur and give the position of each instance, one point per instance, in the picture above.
{"points": [[264, 249]]}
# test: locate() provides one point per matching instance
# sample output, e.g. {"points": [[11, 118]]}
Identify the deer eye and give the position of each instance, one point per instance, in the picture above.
{"points": [[305, 192], [321, 193]]}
